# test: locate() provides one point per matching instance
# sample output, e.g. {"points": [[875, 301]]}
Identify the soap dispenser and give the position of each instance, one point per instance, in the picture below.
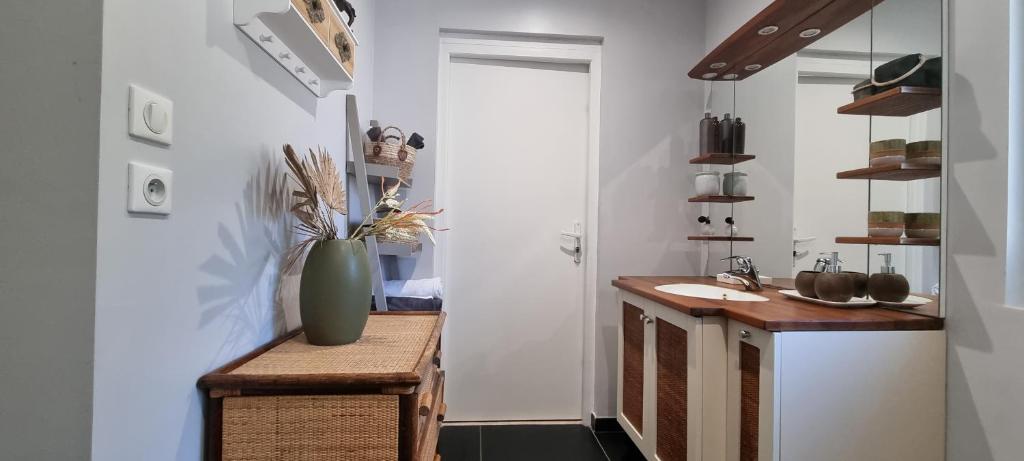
{"points": [[887, 285], [834, 285]]}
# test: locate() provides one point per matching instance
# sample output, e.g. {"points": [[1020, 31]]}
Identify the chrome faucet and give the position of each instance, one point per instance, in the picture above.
{"points": [[747, 273]]}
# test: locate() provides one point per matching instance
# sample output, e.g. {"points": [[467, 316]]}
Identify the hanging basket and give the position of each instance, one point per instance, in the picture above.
{"points": [[391, 150]]}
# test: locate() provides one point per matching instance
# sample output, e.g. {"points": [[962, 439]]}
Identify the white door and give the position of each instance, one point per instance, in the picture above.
{"points": [[516, 172]]}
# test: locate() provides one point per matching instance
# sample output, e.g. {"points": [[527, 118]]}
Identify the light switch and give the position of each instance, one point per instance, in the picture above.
{"points": [[150, 115]]}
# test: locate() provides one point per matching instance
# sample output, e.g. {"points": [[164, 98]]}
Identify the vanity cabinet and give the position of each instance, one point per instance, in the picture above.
{"points": [[778, 380], [835, 395], [670, 399]]}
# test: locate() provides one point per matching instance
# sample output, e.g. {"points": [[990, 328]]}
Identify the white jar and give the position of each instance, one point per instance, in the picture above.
{"points": [[735, 183], [707, 183]]}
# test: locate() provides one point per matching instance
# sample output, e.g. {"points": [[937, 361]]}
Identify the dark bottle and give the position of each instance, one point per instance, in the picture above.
{"points": [[739, 136], [708, 134], [726, 129]]}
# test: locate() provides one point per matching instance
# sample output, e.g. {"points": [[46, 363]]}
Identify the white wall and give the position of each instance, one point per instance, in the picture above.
{"points": [[179, 296], [985, 384], [650, 111], [49, 127]]}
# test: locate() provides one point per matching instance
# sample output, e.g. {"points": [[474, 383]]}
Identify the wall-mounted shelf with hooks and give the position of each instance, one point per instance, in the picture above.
{"points": [[778, 31], [894, 172], [887, 241], [720, 199], [720, 159], [901, 101], [281, 29]]}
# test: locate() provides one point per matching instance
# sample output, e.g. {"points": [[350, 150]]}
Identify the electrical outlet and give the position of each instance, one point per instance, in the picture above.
{"points": [[149, 189]]}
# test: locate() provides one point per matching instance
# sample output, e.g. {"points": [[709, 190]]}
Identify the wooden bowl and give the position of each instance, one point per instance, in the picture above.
{"points": [[886, 223], [838, 288], [923, 225], [860, 283], [805, 283], [887, 151], [925, 153]]}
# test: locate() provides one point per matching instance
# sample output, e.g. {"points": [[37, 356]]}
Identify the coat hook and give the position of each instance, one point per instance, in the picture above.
{"points": [[266, 38], [284, 55], [300, 70]]}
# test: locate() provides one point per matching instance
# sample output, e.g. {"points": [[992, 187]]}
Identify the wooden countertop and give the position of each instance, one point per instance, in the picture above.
{"points": [[778, 313]]}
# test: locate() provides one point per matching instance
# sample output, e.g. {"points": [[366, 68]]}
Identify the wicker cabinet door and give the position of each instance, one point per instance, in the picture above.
{"points": [[753, 418], [633, 324], [672, 391]]}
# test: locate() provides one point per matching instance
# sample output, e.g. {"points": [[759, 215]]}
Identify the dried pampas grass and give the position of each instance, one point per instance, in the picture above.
{"points": [[319, 193]]}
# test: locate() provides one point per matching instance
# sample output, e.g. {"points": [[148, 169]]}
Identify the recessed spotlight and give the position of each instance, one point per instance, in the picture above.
{"points": [[768, 30], [709, 75], [730, 76], [753, 67], [810, 33], [717, 65]]}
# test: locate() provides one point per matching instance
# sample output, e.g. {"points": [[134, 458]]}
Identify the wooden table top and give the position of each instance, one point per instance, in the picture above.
{"points": [[778, 313]]}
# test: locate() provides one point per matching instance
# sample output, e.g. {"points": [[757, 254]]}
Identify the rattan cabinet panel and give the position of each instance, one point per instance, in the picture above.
{"points": [[379, 399]]}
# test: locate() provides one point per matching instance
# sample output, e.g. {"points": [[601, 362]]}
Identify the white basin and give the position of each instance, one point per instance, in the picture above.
{"points": [[708, 292]]}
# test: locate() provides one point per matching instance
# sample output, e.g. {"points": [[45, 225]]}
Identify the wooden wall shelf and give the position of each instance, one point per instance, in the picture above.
{"points": [[887, 241], [750, 50], [720, 199], [901, 101], [895, 172], [720, 159], [719, 238], [280, 29]]}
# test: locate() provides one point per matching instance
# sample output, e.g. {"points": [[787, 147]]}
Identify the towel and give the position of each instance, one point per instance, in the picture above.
{"points": [[419, 288]]}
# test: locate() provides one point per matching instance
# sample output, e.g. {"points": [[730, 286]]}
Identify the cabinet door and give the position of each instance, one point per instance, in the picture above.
{"points": [[631, 368], [677, 386], [753, 394]]}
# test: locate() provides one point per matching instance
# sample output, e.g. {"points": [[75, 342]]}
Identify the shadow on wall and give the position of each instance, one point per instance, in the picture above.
{"points": [[967, 329], [222, 33], [252, 291]]}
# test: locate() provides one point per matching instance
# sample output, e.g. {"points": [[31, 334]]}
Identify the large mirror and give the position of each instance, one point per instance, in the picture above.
{"points": [[858, 174]]}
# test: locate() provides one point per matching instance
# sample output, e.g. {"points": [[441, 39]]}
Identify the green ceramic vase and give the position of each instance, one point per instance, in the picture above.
{"points": [[335, 291]]}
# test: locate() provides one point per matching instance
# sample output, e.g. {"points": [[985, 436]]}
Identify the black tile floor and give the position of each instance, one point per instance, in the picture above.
{"points": [[534, 443]]}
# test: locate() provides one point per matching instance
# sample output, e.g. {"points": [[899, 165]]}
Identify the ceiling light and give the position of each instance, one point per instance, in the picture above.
{"points": [[730, 76], [709, 75], [753, 67], [717, 65], [768, 30], [810, 33]]}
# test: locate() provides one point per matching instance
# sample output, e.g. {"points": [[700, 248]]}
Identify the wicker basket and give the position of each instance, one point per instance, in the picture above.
{"points": [[390, 153]]}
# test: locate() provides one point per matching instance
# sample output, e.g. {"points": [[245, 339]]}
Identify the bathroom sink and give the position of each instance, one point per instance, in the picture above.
{"points": [[708, 292]]}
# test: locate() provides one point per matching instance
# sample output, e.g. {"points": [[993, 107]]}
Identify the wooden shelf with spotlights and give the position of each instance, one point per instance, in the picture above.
{"points": [[778, 31]]}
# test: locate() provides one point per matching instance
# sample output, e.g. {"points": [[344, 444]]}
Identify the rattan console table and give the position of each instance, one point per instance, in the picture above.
{"points": [[378, 399]]}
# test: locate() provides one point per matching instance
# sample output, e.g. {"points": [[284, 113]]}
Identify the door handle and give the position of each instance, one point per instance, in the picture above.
{"points": [[576, 234]]}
